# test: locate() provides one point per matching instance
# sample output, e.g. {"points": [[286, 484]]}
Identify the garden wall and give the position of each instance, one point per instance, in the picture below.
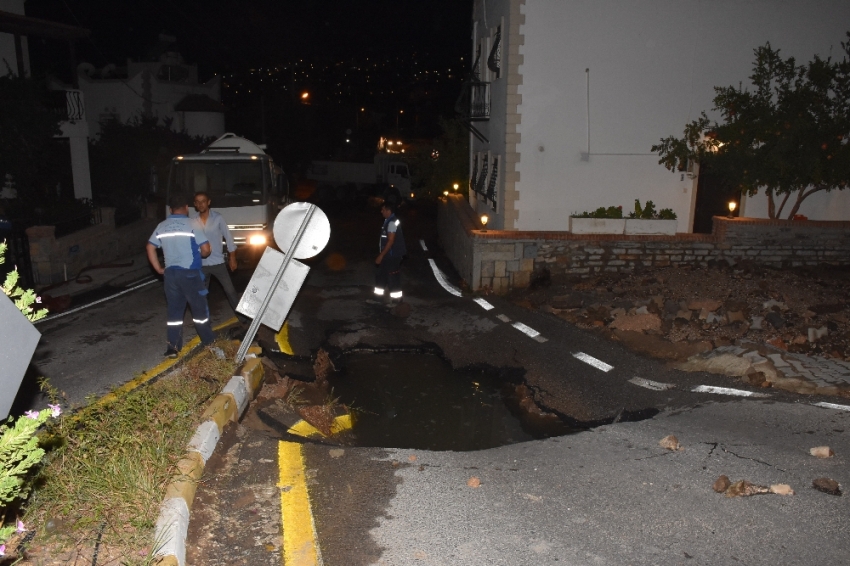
{"points": [[55, 258], [501, 260]]}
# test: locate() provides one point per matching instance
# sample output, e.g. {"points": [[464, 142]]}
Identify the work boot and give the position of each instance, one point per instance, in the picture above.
{"points": [[172, 353]]}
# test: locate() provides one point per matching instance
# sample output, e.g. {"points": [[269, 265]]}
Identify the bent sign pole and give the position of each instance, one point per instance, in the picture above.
{"points": [[309, 239]]}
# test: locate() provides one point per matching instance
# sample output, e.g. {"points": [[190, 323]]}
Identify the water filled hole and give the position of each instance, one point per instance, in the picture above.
{"points": [[402, 400]]}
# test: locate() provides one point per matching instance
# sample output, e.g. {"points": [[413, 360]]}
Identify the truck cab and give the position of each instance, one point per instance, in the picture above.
{"points": [[243, 183]]}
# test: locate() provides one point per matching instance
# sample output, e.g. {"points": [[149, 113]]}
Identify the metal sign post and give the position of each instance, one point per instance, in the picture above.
{"points": [[308, 240]]}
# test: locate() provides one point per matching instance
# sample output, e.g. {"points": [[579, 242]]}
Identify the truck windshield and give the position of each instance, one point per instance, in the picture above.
{"points": [[222, 179]]}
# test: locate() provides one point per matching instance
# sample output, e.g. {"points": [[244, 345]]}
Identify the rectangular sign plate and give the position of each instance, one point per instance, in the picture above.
{"points": [[283, 296]]}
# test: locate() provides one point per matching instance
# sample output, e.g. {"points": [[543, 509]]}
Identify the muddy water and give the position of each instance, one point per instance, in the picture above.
{"points": [[402, 400]]}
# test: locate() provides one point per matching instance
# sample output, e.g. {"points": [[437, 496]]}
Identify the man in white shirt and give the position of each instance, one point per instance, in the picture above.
{"points": [[216, 230]]}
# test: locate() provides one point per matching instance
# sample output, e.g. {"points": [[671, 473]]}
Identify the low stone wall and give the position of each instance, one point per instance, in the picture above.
{"points": [[55, 258], [501, 260]]}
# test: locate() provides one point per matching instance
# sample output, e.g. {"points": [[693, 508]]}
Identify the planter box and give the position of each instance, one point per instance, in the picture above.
{"points": [[597, 225], [651, 227]]}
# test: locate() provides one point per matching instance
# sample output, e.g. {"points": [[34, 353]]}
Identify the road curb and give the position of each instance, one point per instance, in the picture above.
{"points": [[172, 525]]}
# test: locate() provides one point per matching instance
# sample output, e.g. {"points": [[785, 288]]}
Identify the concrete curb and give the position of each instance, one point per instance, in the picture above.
{"points": [[172, 526]]}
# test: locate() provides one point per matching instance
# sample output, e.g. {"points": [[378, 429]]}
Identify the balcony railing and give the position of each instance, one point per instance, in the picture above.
{"points": [[68, 104], [474, 101]]}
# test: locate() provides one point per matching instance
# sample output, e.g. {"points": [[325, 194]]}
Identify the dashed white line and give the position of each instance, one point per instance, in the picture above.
{"points": [[443, 281], [527, 330], [503, 318], [832, 406], [424, 247], [653, 385], [484, 304], [590, 360], [726, 391]]}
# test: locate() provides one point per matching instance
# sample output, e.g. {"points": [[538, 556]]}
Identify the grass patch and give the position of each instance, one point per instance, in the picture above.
{"points": [[106, 474]]}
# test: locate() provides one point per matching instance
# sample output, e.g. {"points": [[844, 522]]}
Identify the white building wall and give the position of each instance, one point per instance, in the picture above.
{"points": [[652, 68], [8, 58]]}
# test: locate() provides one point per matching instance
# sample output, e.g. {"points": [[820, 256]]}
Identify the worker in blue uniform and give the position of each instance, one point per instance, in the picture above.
{"points": [[392, 251], [183, 245]]}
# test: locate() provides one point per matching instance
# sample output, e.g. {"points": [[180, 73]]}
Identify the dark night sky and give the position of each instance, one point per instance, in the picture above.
{"points": [[226, 35]]}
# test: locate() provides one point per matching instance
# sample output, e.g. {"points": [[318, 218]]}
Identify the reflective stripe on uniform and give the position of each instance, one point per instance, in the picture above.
{"points": [[171, 234], [395, 295], [175, 323], [196, 321], [379, 291]]}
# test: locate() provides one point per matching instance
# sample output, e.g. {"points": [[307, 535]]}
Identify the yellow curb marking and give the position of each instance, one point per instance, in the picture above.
{"points": [[306, 430], [282, 339], [300, 544], [151, 373]]}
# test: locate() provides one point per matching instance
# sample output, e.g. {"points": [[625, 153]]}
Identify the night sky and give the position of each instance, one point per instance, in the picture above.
{"points": [[224, 35]]}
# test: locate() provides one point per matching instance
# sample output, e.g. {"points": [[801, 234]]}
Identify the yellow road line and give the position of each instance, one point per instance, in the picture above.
{"points": [[151, 373], [300, 544], [282, 339], [306, 430]]}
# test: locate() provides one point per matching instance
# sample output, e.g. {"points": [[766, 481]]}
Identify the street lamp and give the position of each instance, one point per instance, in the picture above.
{"points": [[732, 206], [456, 186]]}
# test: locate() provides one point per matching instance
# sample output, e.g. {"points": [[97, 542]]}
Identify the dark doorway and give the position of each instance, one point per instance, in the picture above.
{"points": [[714, 192]]}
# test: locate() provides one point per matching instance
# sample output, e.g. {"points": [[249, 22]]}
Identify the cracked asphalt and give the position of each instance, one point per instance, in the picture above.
{"points": [[608, 495]]}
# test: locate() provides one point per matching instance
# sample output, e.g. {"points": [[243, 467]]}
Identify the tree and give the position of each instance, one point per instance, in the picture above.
{"points": [[28, 126], [123, 154], [451, 165], [788, 135]]}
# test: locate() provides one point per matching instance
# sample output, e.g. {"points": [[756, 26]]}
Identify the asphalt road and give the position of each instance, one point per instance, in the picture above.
{"points": [[608, 495]]}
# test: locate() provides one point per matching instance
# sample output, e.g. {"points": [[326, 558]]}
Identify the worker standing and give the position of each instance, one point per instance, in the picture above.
{"points": [[393, 250], [216, 231], [183, 244]]}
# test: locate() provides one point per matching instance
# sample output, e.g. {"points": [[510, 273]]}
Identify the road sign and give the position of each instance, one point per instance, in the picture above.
{"points": [[301, 231], [19, 339]]}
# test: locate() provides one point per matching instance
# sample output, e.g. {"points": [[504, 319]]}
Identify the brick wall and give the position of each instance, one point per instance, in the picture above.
{"points": [[501, 260], [53, 257]]}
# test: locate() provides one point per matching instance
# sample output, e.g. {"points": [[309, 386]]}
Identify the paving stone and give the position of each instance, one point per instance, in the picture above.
{"points": [[777, 360]]}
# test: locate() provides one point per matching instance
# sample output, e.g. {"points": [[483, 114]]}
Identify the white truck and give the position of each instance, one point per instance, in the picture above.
{"points": [[244, 184], [346, 180]]}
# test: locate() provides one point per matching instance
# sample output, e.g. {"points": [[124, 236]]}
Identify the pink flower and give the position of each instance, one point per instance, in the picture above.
{"points": [[2, 550], [31, 414], [57, 410], [38, 300], [20, 527]]}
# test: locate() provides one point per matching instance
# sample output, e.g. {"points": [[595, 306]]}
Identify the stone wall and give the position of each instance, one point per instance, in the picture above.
{"points": [[500, 260], [55, 258]]}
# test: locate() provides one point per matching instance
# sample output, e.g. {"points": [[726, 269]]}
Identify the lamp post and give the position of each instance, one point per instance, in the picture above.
{"points": [[732, 206]]}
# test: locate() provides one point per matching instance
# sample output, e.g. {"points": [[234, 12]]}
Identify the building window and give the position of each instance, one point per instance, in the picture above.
{"points": [[494, 61], [493, 183]]}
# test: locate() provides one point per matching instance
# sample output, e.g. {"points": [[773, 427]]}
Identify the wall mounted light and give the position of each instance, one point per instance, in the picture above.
{"points": [[484, 220], [456, 186], [732, 206]]}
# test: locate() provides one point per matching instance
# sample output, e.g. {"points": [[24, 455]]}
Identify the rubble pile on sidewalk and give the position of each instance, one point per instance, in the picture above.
{"points": [[776, 317]]}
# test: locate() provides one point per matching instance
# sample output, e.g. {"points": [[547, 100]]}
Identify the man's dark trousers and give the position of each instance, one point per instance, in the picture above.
{"points": [[182, 286], [389, 274]]}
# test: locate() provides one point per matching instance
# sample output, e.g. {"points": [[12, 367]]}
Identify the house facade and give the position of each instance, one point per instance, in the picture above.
{"points": [[165, 89], [567, 98]]}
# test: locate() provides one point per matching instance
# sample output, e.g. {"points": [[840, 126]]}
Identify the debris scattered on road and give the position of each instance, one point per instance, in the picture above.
{"points": [[336, 453], [743, 488], [412, 457], [822, 452], [473, 482], [219, 353], [781, 489], [721, 484], [827, 485], [670, 443], [323, 366], [531, 497]]}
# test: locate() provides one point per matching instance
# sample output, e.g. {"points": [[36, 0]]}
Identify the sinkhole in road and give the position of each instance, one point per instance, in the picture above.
{"points": [[405, 400]]}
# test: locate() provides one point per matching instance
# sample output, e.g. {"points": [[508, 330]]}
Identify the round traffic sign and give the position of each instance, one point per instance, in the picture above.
{"points": [[316, 234]]}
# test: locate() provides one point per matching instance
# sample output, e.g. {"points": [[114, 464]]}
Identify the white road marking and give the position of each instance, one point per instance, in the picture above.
{"points": [[832, 406], [727, 391], [72, 311], [590, 360], [503, 318], [541, 339], [527, 330], [653, 385], [424, 247], [443, 281], [484, 304]]}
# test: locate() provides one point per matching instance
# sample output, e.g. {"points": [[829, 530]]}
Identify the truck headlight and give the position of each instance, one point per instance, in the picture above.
{"points": [[257, 240]]}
